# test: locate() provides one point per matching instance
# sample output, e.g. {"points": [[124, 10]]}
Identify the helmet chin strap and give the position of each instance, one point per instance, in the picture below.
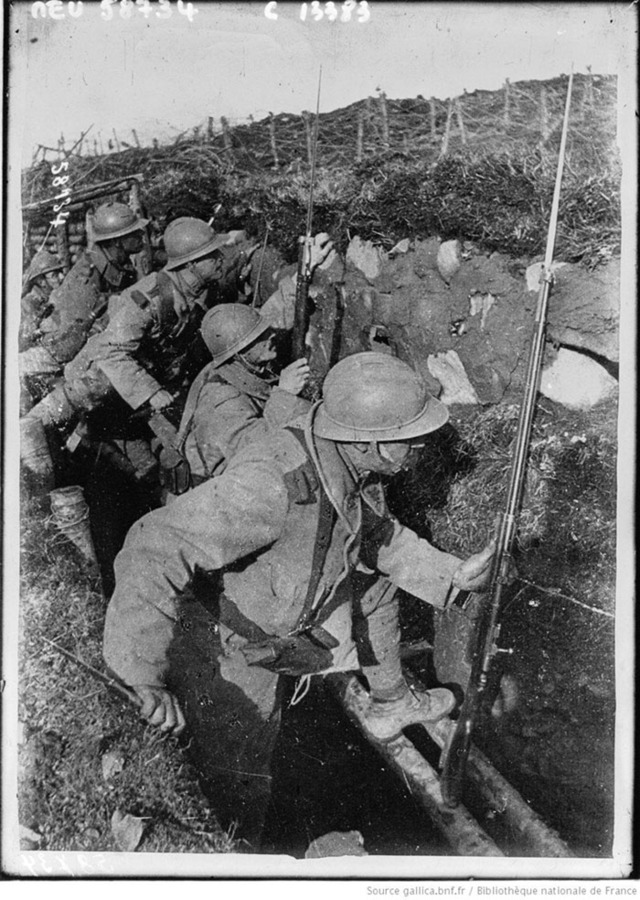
{"points": [[262, 370], [192, 280]]}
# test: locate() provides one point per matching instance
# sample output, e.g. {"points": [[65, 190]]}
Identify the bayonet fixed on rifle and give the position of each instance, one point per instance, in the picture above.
{"points": [[112, 683], [303, 278], [457, 751]]}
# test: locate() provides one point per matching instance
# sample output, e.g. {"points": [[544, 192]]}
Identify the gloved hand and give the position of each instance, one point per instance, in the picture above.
{"points": [[160, 708], [295, 376]]}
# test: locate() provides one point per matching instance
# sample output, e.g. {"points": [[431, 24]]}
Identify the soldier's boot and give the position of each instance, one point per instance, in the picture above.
{"points": [[393, 705], [385, 719]]}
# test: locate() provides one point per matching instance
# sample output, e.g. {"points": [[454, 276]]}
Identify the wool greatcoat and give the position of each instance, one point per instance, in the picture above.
{"points": [[75, 305], [148, 345], [255, 527], [227, 405]]}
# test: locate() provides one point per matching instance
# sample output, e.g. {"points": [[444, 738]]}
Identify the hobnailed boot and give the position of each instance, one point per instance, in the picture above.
{"points": [[385, 719]]}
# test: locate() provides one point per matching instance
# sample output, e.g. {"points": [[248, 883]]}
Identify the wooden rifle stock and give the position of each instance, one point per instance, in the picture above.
{"points": [[457, 751]]}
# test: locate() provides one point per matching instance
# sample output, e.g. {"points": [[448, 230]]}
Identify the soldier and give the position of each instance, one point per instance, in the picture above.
{"points": [[43, 276], [285, 526], [235, 396], [141, 355], [102, 271]]}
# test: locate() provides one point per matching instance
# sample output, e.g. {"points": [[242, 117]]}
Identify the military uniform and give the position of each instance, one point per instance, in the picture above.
{"points": [[256, 526], [141, 351], [227, 406], [33, 307], [77, 304]]}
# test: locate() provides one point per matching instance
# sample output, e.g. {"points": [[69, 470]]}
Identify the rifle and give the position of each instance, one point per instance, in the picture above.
{"points": [[303, 278], [112, 683], [457, 751]]}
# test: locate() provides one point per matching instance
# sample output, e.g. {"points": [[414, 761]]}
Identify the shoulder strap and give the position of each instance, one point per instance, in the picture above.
{"points": [[160, 296], [208, 375], [326, 522]]}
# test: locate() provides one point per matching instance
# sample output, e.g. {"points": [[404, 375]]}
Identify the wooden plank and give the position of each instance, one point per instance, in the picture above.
{"points": [[504, 801], [458, 827]]}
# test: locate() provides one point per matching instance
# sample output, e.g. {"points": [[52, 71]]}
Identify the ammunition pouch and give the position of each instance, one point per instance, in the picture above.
{"points": [[304, 653], [175, 472]]}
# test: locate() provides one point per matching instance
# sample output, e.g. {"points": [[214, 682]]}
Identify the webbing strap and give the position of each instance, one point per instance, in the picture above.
{"points": [[326, 522]]}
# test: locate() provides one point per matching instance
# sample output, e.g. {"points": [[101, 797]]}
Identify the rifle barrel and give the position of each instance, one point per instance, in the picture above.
{"points": [[457, 752], [313, 157]]}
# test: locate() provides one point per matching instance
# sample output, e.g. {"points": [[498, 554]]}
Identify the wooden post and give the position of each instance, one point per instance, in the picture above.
{"points": [[587, 94], [507, 98], [447, 130], [307, 128], [117, 142], [360, 137], [432, 116], [135, 137], [544, 114], [210, 129], [458, 827], [272, 138], [385, 119], [142, 260], [226, 138], [62, 246], [463, 134]]}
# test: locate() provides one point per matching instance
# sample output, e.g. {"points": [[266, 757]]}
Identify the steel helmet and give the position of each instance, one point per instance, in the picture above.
{"points": [[42, 263], [187, 238], [114, 220], [230, 327], [376, 397]]}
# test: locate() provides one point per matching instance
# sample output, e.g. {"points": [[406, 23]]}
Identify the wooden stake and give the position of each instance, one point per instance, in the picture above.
{"points": [[62, 246], [385, 119], [463, 134], [135, 137], [544, 114], [587, 93], [507, 98], [447, 130], [272, 137], [360, 136], [210, 128], [226, 138], [432, 116], [117, 142], [143, 259]]}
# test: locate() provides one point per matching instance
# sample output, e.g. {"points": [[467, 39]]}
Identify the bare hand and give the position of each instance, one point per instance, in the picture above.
{"points": [[160, 708], [321, 252], [160, 400], [474, 573], [295, 376]]}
